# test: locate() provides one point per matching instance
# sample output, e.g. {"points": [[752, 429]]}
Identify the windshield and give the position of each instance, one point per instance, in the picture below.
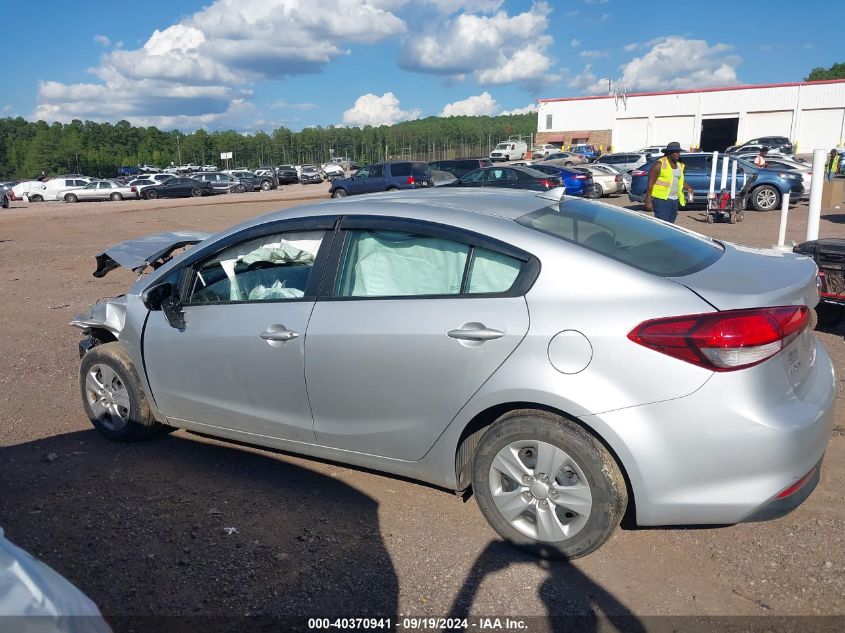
{"points": [[626, 236]]}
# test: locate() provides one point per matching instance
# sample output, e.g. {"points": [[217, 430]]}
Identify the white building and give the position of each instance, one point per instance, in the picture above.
{"points": [[811, 114]]}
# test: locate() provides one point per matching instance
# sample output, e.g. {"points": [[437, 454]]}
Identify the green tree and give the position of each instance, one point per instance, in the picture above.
{"points": [[837, 71]]}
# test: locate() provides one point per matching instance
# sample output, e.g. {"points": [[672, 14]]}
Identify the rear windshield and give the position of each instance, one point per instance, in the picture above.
{"points": [[627, 237]]}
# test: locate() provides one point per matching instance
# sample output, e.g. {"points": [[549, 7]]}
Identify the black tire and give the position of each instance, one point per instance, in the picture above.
{"points": [[393, 188], [829, 315], [196, 192], [709, 217], [240, 189], [71, 198], [139, 423], [152, 194], [609, 496], [598, 192], [765, 198], [36, 198], [115, 196], [339, 193], [567, 164]]}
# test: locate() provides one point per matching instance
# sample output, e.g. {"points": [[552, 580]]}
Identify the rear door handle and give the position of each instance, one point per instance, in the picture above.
{"points": [[278, 334], [475, 334]]}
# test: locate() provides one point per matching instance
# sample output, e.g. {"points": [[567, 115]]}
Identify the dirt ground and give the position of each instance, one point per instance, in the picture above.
{"points": [[140, 528]]}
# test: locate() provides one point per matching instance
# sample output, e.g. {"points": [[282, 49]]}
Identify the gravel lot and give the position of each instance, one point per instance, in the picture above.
{"points": [[140, 528]]}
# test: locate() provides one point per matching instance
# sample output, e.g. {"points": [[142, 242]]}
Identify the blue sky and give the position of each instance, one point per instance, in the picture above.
{"points": [[260, 64]]}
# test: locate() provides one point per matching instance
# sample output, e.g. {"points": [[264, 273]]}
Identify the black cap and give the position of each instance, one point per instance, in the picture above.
{"points": [[674, 146]]}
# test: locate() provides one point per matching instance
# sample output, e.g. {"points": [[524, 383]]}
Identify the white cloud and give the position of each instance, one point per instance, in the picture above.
{"points": [[480, 105], [221, 48], [596, 1], [496, 49], [631, 47], [282, 104], [575, 43], [593, 54], [531, 107], [676, 62], [370, 109], [102, 40], [589, 83], [468, 6]]}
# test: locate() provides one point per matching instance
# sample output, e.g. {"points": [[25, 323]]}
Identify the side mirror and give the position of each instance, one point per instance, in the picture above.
{"points": [[164, 297]]}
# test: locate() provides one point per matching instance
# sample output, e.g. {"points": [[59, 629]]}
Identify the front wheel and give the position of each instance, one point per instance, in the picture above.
{"points": [[152, 194], [265, 185], [765, 198], [547, 485], [36, 198], [196, 192], [112, 395]]}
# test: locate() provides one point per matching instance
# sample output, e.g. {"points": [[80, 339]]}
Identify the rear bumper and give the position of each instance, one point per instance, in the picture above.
{"points": [[776, 508], [723, 454]]}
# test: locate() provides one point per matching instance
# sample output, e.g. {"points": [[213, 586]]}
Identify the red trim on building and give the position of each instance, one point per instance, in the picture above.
{"points": [[686, 92]]}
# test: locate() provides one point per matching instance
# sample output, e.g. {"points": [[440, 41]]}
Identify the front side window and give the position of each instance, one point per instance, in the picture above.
{"points": [[270, 268], [376, 171], [474, 176]]}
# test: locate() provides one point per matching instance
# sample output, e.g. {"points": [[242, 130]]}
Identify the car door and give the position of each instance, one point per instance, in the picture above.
{"points": [[238, 361], [376, 180], [501, 177], [414, 319], [88, 192], [475, 178]]}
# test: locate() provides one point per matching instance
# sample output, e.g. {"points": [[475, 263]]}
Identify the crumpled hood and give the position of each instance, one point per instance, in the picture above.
{"points": [[145, 251]]}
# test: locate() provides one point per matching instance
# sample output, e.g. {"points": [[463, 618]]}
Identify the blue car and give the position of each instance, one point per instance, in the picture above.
{"points": [[767, 187], [590, 152], [390, 176], [576, 182]]}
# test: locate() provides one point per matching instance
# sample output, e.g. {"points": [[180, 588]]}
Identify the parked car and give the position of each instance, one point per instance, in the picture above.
{"points": [[576, 183], [309, 175], [544, 150], [21, 190], [754, 150], [460, 338], [652, 150], [567, 159], [52, 189], [98, 190], [508, 177], [782, 163], [626, 162], [287, 174], [5, 200], [766, 190], [612, 169], [776, 144], [252, 181], [332, 171], [181, 187], [509, 150], [590, 152], [460, 166], [390, 176], [128, 170], [604, 184], [223, 183]]}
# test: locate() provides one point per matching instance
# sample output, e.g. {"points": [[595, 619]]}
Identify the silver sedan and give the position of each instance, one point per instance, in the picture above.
{"points": [[461, 337], [98, 190]]}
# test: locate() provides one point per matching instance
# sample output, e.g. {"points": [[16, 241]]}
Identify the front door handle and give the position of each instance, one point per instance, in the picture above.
{"points": [[277, 334], [475, 334]]}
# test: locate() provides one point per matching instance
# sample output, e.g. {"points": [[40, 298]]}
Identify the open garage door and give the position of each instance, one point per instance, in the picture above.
{"points": [[673, 128], [819, 129], [630, 135], [757, 124]]}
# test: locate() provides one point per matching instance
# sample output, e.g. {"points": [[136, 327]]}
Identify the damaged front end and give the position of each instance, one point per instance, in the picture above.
{"points": [[102, 323], [105, 320]]}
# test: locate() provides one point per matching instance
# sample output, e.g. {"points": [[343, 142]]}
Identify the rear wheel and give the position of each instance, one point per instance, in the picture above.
{"points": [[36, 198], [196, 192], [115, 196], [765, 198], [339, 193], [567, 164], [393, 188], [71, 198], [112, 395], [598, 192], [265, 185], [547, 485]]}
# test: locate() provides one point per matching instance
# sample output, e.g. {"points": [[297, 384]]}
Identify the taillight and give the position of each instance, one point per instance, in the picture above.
{"points": [[580, 177], [410, 180], [133, 189], [548, 184], [724, 341], [639, 172]]}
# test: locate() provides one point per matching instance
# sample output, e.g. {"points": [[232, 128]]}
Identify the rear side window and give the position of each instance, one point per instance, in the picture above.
{"points": [[401, 169], [420, 169], [694, 163], [627, 237]]}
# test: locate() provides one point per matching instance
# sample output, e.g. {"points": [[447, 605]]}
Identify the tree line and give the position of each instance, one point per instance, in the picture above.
{"points": [[29, 149]]}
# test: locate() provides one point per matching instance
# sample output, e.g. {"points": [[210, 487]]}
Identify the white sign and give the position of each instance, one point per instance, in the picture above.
{"points": [[225, 155]]}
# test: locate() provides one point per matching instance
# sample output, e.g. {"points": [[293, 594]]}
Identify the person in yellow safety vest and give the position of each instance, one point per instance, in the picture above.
{"points": [[832, 165], [666, 186]]}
